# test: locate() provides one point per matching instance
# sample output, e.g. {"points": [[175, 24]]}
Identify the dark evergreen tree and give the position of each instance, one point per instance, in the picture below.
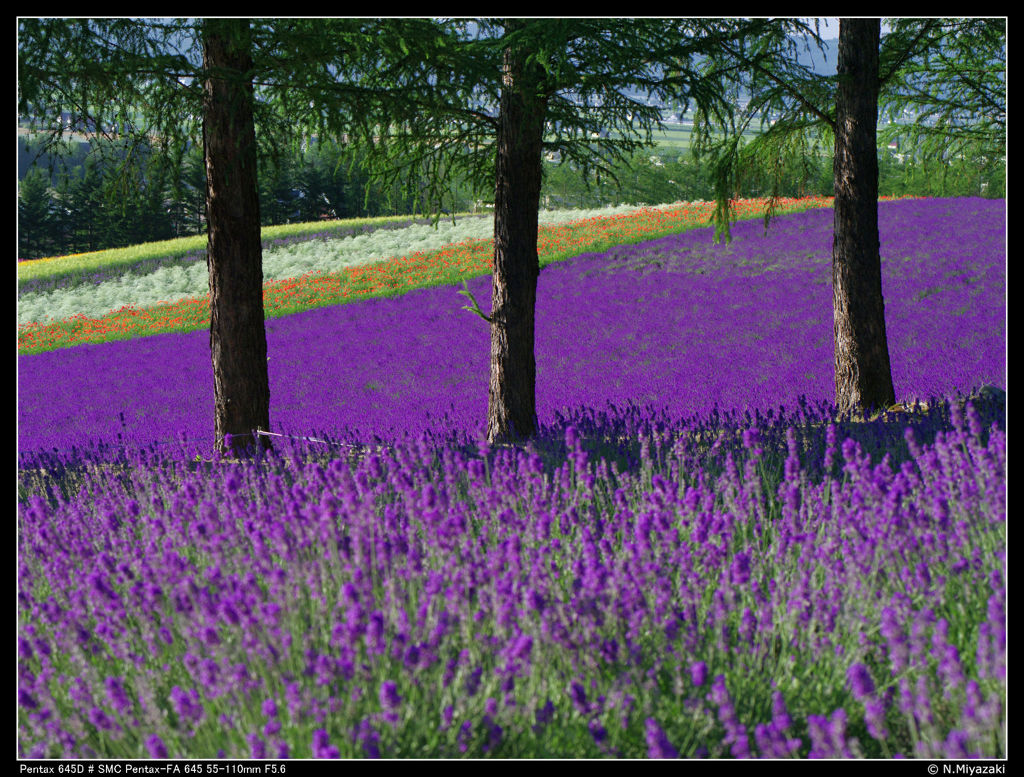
{"points": [[81, 195], [35, 215], [193, 192]]}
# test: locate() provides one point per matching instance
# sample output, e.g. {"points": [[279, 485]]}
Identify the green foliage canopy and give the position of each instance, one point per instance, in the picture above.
{"points": [[949, 73]]}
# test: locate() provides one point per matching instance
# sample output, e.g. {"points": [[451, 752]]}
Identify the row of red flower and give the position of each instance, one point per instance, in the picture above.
{"points": [[448, 265]]}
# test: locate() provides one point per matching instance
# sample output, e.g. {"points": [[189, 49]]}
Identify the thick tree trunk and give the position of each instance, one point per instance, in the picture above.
{"points": [[238, 340], [862, 371], [511, 402]]}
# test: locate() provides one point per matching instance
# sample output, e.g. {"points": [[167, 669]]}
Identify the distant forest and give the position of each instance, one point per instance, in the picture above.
{"points": [[78, 203]]}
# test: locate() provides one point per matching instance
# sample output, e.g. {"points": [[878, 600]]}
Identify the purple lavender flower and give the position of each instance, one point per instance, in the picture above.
{"points": [[740, 568], [543, 716], [464, 735], [187, 704], [772, 742], [860, 681], [389, 698], [828, 736], [155, 746], [494, 734], [699, 673], [874, 719], [658, 745], [610, 650], [447, 714], [780, 714], [956, 745], [100, 719], [473, 681], [579, 697], [411, 657], [257, 747], [521, 648], [751, 438], [322, 748]]}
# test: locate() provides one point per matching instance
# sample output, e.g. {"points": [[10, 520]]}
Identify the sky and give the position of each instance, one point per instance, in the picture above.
{"points": [[830, 27]]}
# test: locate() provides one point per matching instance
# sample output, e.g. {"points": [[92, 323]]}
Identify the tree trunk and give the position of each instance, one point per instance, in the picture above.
{"points": [[862, 371], [511, 402], [234, 257]]}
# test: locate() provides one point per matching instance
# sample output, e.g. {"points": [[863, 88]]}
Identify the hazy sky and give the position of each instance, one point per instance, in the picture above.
{"points": [[830, 27]]}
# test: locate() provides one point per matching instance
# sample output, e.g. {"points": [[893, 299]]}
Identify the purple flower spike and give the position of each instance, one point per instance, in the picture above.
{"points": [[751, 438], [571, 437], [473, 681], [100, 719], [874, 718], [699, 673], [544, 715], [257, 747], [780, 715], [860, 681], [579, 697], [658, 745], [322, 748], [389, 698], [522, 647], [115, 692], [155, 746], [741, 568]]}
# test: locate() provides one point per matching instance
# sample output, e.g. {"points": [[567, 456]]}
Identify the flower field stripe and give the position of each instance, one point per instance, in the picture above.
{"points": [[71, 264], [146, 274], [445, 266], [524, 603]]}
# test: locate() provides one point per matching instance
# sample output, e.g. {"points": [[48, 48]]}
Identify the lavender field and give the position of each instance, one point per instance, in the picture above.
{"points": [[676, 323], [692, 560]]}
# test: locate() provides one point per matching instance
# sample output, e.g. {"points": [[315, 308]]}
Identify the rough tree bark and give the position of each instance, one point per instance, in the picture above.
{"points": [[238, 341], [511, 404], [862, 371]]}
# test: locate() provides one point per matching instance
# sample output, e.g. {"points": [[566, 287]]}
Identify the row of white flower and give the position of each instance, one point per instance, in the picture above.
{"points": [[167, 284]]}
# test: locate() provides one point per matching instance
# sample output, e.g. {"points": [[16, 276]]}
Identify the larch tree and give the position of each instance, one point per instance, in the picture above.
{"points": [[800, 112], [234, 254], [511, 393], [155, 87], [497, 95], [955, 92], [863, 375]]}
